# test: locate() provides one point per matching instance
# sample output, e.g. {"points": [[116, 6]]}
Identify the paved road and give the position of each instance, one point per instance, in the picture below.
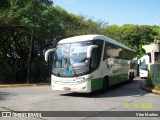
{"points": [[42, 98]]}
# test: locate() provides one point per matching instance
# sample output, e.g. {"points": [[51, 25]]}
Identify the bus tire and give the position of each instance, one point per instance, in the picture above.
{"points": [[105, 85], [133, 75], [130, 77]]}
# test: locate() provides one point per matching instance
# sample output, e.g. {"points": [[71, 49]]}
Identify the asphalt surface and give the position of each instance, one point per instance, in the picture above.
{"points": [[123, 97]]}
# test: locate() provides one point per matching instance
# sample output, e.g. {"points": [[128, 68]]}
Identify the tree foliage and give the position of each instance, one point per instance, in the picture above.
{"points": [[133, 36], [29, 27]]}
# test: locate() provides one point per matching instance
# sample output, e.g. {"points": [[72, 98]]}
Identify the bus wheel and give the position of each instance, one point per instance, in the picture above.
{"points": [[105, 85], [133, 76], [130, 77]]}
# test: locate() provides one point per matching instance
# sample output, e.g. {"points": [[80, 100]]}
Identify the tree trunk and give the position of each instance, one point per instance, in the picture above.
{"points": [[30, 58]]}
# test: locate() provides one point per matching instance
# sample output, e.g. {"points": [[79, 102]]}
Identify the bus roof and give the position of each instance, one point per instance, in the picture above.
{"points": [[90, 38]]}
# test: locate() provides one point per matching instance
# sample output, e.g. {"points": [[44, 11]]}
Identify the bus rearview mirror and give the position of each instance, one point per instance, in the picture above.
{"points": [[47, 53]]}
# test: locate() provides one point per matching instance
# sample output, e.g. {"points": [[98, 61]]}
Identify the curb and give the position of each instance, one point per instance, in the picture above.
{"points": [[23, 85], [148, 88]]}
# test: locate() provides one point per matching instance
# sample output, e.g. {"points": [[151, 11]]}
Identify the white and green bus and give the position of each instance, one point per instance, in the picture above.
{"points": [[88, 63]]}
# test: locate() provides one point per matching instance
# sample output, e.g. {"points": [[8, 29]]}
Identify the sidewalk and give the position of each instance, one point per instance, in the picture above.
{"points": [[145, 86], [23, 85]]}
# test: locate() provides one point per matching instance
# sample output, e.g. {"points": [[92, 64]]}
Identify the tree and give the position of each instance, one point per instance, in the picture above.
{"points": [[30, 27], [113, 31], [133, 36], [19, 20]]}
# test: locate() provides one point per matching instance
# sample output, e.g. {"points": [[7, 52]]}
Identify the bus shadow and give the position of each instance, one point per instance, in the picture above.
{"points": [[5, 95], [122, 89]]}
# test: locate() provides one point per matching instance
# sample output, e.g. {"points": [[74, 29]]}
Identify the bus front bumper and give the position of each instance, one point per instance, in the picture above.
{"points": [[84, 87]]}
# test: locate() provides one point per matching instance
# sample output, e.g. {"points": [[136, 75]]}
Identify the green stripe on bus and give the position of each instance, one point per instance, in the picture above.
{"points": [[117, 79], [97, 84]]}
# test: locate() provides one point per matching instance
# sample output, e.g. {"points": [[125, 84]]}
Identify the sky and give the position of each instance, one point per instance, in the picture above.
{"points": [[119, 12]]}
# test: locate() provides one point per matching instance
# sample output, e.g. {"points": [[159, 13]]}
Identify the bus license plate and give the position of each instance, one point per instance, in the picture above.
{"points": [[67, 89]]}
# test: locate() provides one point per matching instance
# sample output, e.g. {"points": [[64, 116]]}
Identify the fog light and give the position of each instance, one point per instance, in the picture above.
{"points": [[83, 88]]}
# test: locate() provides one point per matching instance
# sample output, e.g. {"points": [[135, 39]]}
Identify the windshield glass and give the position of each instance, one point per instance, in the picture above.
{"points": [[143, 65], [78, 53], [71, 57], [61, 56]]}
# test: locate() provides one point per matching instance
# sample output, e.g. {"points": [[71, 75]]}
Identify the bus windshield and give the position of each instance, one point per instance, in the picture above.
{"points": [[144, 61], [71, 59]]}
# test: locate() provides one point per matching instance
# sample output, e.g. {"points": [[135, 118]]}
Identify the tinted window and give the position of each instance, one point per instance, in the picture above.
{"points": [[99, 43], [96, 54], [113, 51]]}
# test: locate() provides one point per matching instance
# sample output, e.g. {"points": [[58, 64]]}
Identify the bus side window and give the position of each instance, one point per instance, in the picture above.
{"points": [[94, 60], [99, 43], [111, 51], [106, 54]]}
